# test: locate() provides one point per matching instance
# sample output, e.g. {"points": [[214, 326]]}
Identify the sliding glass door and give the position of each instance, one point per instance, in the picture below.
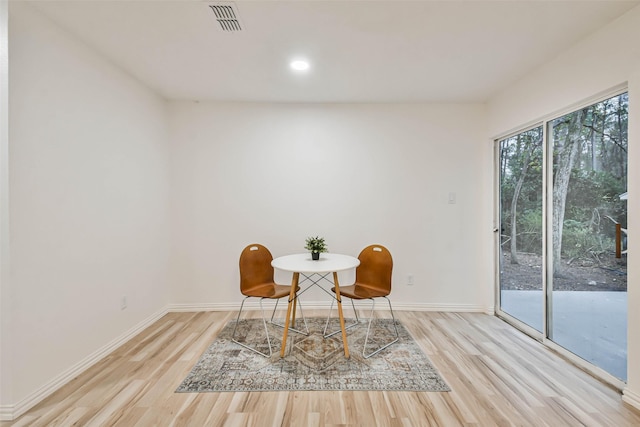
{"points": [[521, 216], [563, 255], [588, 298]]}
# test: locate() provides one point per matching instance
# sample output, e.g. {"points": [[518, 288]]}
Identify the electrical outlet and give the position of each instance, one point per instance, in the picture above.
{"points": [[123, 302], [410, 280]]}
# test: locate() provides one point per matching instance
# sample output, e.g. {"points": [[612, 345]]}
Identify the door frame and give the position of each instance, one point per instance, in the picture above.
{"points": [[547, 236]]}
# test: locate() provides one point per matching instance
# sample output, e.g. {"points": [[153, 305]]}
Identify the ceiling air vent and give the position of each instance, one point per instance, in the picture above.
{"points": [[227, 16]]}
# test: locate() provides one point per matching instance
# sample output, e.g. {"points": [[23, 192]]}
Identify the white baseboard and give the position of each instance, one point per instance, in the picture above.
{"points": [[631, 398], [7, 412], [208, 307], [321, 305], [11, 412], [462, 308]]}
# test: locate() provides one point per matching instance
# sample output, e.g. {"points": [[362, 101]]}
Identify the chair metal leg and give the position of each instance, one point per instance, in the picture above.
{"points": [[366, 339], [324, 333], [266, 331], [291, 328]]}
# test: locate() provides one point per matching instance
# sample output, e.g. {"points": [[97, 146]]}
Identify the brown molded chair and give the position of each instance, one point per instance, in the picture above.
{"points": [[373, 280], [256, 281]]}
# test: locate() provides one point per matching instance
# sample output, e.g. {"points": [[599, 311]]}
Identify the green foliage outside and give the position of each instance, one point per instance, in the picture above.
{"points": [[596, 180]]}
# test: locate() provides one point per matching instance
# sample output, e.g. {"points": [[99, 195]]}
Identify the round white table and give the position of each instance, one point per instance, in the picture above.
{"points": [[303, 264]]}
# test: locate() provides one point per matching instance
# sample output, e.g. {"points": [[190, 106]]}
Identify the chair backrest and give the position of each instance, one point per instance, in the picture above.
{"points": [[255, 266], [376, 265]]}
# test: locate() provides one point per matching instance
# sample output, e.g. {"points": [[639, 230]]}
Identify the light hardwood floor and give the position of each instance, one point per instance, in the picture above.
{"points": [[498, 377]]}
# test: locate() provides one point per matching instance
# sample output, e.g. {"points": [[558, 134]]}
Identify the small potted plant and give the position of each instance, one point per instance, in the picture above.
{"points": [[315, 245]]}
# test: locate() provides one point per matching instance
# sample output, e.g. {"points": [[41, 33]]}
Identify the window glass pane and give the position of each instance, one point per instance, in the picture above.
{"points": [[588, 302], [521, 227]]}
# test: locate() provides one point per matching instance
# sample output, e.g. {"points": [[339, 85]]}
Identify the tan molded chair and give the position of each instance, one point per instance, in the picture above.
{"points": [[373, 280], [256, 281]]}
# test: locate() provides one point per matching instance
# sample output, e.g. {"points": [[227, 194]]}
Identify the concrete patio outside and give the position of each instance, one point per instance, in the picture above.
{"points": [[592, 325]]}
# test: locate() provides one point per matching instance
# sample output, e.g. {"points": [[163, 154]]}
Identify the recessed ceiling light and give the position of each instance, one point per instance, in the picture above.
{"points": [[299, 65]]}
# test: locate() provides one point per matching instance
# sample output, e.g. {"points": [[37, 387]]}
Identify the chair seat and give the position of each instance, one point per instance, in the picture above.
{"points": [[373, 280], [359, 291], [268, 290], [257, 281]]}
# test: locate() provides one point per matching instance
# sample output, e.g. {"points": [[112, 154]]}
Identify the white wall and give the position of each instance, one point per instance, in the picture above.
{"points": [[632, 392], [608, 58], [5, 306], [89, 204], [355, 174]]}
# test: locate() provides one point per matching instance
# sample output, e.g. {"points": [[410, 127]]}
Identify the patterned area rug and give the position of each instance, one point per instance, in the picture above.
{"points": [[312, 362]]}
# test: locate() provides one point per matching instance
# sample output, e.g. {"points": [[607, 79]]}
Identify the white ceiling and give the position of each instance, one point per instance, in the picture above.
{"points": [[360, 51]]}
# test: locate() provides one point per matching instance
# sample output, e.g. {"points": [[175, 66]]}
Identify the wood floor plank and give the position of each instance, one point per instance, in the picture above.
{"points": [[498, 377]]}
